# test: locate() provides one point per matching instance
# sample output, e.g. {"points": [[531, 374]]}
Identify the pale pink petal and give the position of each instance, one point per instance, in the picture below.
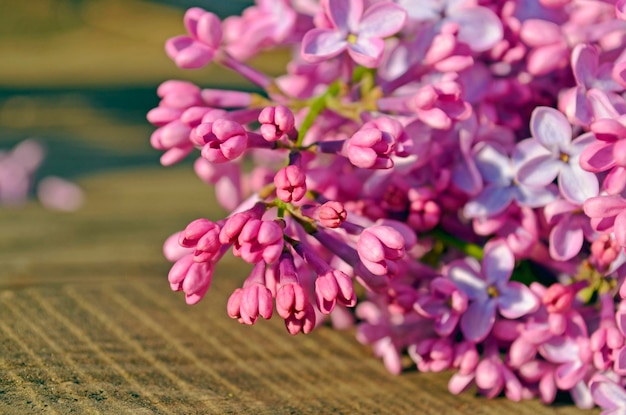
{"points": [[569, 374], [539, 171], [479, 27], [604, 206], [382, 20], [367, 51], [516, 300], [498, 263], [585, 64], [543, 60], [566, 239], [459, 383], [607, 394], [551, 128], [345, 14], [576, 184], [494, 165], [478, 319], [598, 156], [539, 32], [615, 181], [191, 18], [467, 279], [490, 202], [209, 30], [620, 228], [322, 44]]}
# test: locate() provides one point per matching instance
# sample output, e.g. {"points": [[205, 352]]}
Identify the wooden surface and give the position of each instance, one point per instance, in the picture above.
{"points": [[88, 324]]}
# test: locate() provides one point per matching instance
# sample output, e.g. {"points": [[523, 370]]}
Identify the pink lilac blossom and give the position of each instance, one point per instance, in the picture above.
{"points": [[355, 30], [452, 170]]}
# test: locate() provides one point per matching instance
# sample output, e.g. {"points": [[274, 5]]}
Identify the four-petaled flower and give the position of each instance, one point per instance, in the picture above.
{"points": [[360, 33], [488, 288]]}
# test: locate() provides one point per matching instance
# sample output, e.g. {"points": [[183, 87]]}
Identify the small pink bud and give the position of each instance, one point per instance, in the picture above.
{"points": [[276, 122], [160, 116], [558, 298], [172, 249], [194, 231], [290, 184], [224, 140], [332, 214]]}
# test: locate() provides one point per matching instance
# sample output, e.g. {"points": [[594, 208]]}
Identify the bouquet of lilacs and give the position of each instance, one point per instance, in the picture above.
{"points": [[447, 175]]}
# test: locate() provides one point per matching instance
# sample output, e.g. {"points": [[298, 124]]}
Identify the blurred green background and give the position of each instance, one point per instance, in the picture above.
{"points": [[80, 76]]}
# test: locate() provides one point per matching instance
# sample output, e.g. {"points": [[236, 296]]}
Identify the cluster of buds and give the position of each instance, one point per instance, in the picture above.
{"points": [[461, 161]]}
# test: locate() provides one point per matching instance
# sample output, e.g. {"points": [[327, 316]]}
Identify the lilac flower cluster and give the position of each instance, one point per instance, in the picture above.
{"points": [[462, 161]]}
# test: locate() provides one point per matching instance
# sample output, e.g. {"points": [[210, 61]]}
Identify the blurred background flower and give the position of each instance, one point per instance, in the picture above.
{"points": [[80, 75]]}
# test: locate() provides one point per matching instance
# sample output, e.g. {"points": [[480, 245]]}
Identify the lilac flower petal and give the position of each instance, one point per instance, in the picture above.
{"points": [[490, 202], [551, 128], [322, 44], [494, 165], [382, 20], [498, 263], [619, 228], [539, 32], [559, 349], [477, 321], [566, 239], [528, 149], [583, 113], [367, 52], [601, 104], [194, 56], [209, 30], [569, 374], [576, 184], [535, 197], [598, 156], [579, 144], [466, 177], [479, 27], [615, 181], [607, 394], [559, 207], [345, 14], [585, 64], [604, 206], [539, 171], [516, 300], [467, 279], [459, 383]]}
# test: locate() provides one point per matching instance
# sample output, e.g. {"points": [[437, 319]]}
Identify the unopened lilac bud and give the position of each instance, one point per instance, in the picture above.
{"points": [[304, 323], [426, 97], [226, 99], [172, 250], [558, 298], [290, 184], [370, 148], [224, 140], [276, 122], [194, 231], [332, 214], [161, 116], [193, 116], [378, 246]]}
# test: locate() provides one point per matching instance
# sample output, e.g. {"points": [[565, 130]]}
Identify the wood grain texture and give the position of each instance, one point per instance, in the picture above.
{"points": [[88, 324]]}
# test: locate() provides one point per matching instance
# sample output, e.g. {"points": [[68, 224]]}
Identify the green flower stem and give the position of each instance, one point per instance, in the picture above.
{"points": [[315, 108], [467, 248]]}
